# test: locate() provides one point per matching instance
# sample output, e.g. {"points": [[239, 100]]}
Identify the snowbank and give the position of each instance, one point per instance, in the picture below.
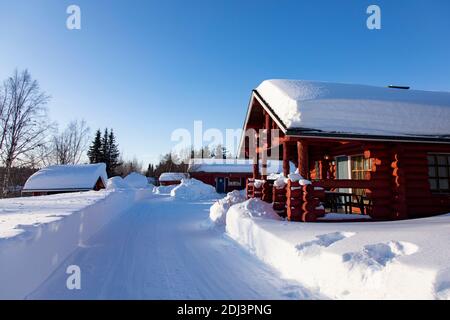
{"points": [[359, 109], [367, 260], [116, 183], [38, 233], [193, 189], [136, 180], [164, 189], [252, 208], [218, 211]]}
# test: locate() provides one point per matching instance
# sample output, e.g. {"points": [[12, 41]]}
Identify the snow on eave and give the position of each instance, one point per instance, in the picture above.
{"points": [[172, 176], [393, 104]]}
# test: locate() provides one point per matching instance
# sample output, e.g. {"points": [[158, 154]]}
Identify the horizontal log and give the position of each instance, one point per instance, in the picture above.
{"points": [[294, 204], [309, 217]]}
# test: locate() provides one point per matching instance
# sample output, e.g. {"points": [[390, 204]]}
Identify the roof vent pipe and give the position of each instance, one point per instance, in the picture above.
{"points": [[398, 87]]}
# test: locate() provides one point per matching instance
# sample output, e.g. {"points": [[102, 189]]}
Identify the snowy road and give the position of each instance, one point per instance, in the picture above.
{"points": [[164, 249]]}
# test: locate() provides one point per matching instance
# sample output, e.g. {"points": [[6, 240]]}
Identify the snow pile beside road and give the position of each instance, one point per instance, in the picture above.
{"points": [[164, 189], [218, 211], [136, 180], [193, 189], [367, 260], [116, 183], [38, 233], [251, 209]]}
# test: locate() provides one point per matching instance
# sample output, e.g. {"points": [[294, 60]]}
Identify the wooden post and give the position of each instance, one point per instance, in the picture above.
{"points": [[256, 159], [268, 126], [302, 156], [399, 184], [286, 166], [263, 161]]}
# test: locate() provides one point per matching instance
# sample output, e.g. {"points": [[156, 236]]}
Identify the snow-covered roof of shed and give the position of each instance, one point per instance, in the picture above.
{"points": [[233, 166], [172, 176], [67, 177], [357, 109]]}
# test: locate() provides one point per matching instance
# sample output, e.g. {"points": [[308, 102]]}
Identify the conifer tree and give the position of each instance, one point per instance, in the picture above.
{"points": [[95, 150], [105, 148], [113, 154]]}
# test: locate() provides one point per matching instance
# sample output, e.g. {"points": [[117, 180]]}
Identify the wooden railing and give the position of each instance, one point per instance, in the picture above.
{"points": [[347, 183]]}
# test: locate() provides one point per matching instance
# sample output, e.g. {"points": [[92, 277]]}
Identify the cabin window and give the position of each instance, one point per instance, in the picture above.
{"points": [[360, 166], [439, 172]]}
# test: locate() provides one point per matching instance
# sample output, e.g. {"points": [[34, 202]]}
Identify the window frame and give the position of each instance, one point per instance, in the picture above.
{"points": [[436, 166]]}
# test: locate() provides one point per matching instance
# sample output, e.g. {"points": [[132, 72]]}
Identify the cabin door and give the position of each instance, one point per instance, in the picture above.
{"points": [[220, 185], [343, 171]]}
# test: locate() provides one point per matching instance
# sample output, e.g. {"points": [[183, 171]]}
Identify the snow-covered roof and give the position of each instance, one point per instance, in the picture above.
{"points": [[67, 177], [356, 109], [233, 166], [172, 176]]}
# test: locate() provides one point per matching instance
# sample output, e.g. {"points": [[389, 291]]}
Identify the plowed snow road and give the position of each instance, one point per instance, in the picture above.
{"points": [[164, 249]]}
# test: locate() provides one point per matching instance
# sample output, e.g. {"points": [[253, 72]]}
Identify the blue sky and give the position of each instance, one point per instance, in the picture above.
{"points": [[146, 68]]}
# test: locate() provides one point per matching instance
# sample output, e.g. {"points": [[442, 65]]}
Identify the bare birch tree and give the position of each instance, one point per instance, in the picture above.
{"points": [[26, 124], [70, 145]]}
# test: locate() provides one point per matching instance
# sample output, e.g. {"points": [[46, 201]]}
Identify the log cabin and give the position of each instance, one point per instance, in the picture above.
{"points": [[66, 178], [388, 147], [227, 175]]}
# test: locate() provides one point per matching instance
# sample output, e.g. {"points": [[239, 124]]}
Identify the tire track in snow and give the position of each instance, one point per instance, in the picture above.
{"points": [[160, 249]]}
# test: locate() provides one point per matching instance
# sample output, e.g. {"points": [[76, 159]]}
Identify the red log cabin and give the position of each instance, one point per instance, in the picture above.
{"points": [[228, 174], [387, 147]]}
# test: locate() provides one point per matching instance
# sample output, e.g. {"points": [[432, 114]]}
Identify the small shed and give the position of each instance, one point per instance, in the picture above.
{"points": [[229, 174], [171, 178], [66, 178]]}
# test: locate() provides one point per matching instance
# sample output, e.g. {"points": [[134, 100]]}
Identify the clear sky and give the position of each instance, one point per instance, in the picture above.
{"points": [[146, 68]]}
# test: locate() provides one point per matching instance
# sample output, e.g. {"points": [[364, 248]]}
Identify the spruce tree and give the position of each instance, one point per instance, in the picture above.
{"points": [[113, 153], [95, 150], [105, 147]]}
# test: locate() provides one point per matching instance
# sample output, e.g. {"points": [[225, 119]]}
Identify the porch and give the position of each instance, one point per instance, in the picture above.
{"points": [[349, 177]]}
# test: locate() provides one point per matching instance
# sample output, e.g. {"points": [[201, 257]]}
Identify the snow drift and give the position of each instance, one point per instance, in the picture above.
{"points": [[116, 183], [218, 211], [136, 180], [193, 189], [164, 189]]}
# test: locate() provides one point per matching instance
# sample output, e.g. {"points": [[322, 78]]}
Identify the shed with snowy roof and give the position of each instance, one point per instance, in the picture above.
{"points": [[171, 178], [387, 148], [66, 178]]}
